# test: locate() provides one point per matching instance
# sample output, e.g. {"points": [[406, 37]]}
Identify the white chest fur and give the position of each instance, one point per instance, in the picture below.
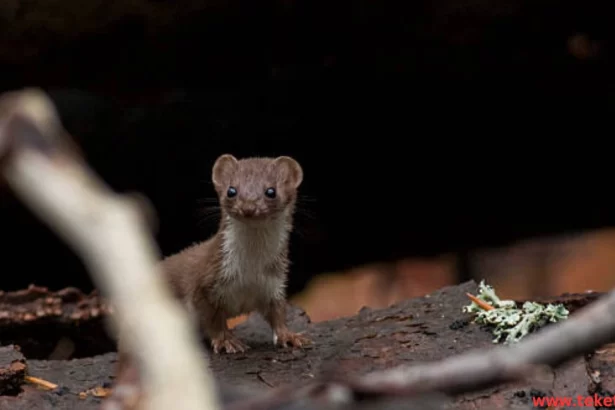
{"points": [[248, 256]]}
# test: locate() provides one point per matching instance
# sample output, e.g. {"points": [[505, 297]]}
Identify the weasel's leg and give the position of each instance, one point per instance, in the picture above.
{"points": [[214, 324], [275, 314]]}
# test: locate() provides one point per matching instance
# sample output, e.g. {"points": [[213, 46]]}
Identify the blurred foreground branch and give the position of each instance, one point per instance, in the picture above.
{"points": [[109, 233]]}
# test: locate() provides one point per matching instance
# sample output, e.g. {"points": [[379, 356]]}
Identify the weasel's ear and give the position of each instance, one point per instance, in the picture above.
{"points": [[290, 171], [223, 167]]}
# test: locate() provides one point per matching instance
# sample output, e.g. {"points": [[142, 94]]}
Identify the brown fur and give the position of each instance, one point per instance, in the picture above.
{"points": [[210, 277]]}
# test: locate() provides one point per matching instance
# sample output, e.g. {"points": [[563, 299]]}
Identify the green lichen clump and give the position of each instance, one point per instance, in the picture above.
{"points": [[510, 321]]}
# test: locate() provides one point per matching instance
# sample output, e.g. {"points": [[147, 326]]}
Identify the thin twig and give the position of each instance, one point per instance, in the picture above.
{"points": [[482, 304], [108, 231], [40, 382]]}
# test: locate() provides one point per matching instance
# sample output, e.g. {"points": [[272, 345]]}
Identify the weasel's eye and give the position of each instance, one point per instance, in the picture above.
{"points": [[270, 193], [231, 192]]}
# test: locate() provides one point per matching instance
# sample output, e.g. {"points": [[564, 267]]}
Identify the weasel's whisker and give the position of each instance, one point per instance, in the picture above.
{"points": [[305, 200], [206, 221], [208, 200], [304, 212], [208, 213], [299, 232], [210, 208]]}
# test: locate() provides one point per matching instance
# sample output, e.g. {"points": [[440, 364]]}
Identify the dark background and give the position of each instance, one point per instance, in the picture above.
{"points": [[425, 127]]}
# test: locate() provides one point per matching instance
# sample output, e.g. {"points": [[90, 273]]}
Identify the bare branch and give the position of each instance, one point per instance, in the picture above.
{"points": [[109, 233], [587, 330]]}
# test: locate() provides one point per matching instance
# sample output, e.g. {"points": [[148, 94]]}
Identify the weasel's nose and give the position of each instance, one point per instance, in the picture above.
{"points": [[249, 210]]}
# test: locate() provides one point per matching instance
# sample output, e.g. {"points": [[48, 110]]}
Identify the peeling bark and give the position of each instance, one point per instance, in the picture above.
{"points": [[12, 370], [42, 322]]}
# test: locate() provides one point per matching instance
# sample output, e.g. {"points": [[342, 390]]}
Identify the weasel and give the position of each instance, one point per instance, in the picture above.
{"points": [[243, 267]]}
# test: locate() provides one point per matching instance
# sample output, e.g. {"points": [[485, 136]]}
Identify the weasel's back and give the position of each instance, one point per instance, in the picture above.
{"points": [[184, 268]]}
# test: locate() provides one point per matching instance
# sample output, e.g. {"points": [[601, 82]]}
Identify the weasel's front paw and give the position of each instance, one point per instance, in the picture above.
{"points": [[228, 343], [291, 339]]}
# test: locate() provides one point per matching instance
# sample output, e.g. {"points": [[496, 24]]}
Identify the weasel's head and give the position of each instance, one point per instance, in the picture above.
{"points": [[256, 188]]}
